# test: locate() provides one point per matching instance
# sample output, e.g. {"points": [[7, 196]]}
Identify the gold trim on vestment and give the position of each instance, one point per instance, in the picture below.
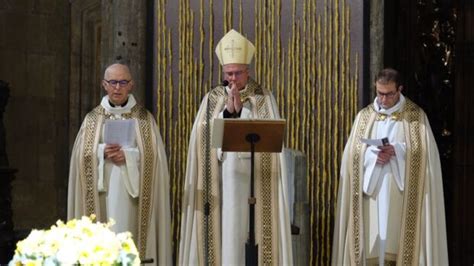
{"points": [[147, 175], [246, 93], [413, 196], [394, 116], [266, 241], [412, 117], [209, 167], [94, 122], [390, 260], [355, 209], [87, 170]]}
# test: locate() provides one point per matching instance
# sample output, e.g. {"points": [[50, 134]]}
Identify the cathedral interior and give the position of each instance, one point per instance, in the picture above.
{"points": [[317, 57]]}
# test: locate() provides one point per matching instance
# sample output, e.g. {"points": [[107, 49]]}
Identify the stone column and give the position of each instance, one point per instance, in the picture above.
{"points": [[124, 37]]}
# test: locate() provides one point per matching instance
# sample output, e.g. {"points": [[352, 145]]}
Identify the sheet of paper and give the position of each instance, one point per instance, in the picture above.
{"points": [[217, 133], [375, 142], [120, 132]]}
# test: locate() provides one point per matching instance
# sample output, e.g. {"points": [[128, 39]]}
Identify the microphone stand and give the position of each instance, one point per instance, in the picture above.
{"points": [[251, 248]]}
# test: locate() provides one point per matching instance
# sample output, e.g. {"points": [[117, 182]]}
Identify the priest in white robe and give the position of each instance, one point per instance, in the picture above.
{"points": [[128, 183], [220, 239], [390, 207]]}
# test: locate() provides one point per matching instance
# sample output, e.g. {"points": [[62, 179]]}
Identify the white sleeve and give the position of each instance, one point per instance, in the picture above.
{"points": [[130, 172], [100, 156], [398, 164], [372, 170]]}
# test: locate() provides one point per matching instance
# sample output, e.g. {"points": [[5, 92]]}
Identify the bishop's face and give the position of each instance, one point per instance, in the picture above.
{"points": [[387, 94], [237, 74], [118, 83]]}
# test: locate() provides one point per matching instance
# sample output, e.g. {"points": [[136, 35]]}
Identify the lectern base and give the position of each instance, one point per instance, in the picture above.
{"points": [[251, 254]]}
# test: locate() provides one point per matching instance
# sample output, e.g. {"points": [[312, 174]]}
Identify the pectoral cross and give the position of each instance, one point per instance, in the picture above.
{"points": [[232, 48]]}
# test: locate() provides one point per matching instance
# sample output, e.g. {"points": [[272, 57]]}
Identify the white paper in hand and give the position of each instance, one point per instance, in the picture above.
{"points": [[217, 133], [375, 142], [120, 132]]}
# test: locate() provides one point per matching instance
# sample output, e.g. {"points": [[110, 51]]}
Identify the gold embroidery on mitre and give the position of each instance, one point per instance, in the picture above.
{"points": [[234, 48]]}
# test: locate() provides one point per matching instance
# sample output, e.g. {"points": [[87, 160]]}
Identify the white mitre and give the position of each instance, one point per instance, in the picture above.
{"points": [[234, 48]]}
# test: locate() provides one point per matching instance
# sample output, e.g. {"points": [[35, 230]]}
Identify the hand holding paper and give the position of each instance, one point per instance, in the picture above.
{"points": [[114, 153], [121, 132], [376, 142], [384, 148]]}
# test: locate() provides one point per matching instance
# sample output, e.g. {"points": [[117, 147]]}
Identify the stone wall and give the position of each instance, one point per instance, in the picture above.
{"points": [[34, 53]]}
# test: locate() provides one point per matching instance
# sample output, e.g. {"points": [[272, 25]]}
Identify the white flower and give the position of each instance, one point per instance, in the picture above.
{"points": [[76, 242], [67, 253]]}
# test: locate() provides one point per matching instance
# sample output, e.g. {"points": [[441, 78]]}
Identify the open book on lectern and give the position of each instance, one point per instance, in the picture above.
{"points": [[230, 134]]}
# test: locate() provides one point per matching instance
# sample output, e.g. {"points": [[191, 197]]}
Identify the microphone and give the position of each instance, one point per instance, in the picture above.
{"points": [[224, 84], [215, 87]]}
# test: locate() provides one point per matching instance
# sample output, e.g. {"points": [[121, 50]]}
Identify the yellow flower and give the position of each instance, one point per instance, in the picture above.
{"points": [[32, 263], [77, 242]]}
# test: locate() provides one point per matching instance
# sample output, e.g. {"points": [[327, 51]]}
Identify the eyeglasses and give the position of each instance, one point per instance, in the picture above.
{"points": [[235, 73], [387, 95], [121, 83]]}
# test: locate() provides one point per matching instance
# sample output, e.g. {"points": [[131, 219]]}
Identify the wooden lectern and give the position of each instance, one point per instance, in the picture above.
{"points": [[249, 135]]}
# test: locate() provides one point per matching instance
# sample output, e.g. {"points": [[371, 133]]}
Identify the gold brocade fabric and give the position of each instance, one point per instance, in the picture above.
{"points": [[396, 116], [411, 116], [94, 121], [268, 250], [246, 93]]}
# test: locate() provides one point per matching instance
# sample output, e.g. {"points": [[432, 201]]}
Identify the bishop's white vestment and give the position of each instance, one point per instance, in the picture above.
{"points": [[229, 191]]}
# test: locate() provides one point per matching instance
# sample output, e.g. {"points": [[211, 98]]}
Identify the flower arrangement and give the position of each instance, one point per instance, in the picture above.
{"points": [[78, 242]]}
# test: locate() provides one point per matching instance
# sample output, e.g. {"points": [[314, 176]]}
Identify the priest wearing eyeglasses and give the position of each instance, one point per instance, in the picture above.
{"points": [[390, 207], [126, 180], [221, 239]]}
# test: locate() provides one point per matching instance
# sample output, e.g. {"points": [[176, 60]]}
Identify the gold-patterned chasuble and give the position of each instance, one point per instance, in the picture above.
{"points": [[394, 116], [245, 94], [265, 184], [94, 121], [412, 118]]}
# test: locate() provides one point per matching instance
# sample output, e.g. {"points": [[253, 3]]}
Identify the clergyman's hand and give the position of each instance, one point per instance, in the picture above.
{"points": [[230, 103], [236, 97], [386, 152], [114, 153]]}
